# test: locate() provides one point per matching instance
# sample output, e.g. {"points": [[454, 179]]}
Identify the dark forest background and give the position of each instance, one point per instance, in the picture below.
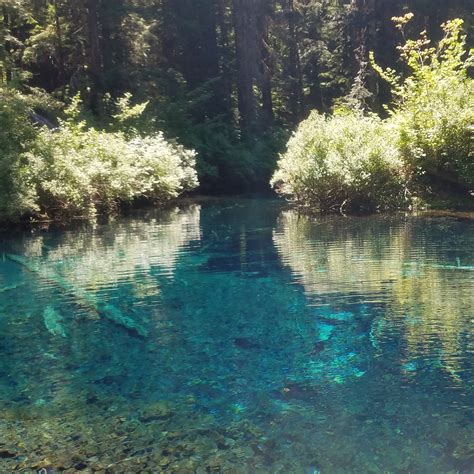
{"points": [[229, 78]]}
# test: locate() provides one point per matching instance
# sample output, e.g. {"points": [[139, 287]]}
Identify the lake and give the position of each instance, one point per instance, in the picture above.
{"points": [[234, 335]]}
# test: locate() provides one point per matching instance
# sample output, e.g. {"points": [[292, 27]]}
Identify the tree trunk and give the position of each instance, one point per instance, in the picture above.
{"points": [[209, 56], [191, 37], [253, 63], [7, 74], [224, 45], [59, 46], [94, 57], [245, 27], [296, 76], [264, 66]]}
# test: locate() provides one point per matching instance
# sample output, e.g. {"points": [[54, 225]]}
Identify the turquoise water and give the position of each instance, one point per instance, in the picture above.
{"points": [[238, 336]]}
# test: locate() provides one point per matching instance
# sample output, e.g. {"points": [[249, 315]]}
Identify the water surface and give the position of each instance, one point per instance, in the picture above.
{"points": [[238, 336]]}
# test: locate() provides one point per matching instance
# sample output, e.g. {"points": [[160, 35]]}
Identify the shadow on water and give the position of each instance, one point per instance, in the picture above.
{"points": [[237, 335]]}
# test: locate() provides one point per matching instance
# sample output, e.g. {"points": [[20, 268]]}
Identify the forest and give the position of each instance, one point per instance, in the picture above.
{"points": [[343, 105]]}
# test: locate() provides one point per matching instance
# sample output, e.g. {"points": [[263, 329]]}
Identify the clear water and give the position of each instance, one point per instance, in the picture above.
{"points": [[238, 336]]}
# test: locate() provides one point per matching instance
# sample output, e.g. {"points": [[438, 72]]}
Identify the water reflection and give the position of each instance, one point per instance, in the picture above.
{"points": [[418, 272], [98, 257], [92, 266]]}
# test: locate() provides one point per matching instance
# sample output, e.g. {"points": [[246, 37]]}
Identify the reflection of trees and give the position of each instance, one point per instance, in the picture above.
{"points": [[435, 307], [386, 261], [337, 256], [124, 252]]}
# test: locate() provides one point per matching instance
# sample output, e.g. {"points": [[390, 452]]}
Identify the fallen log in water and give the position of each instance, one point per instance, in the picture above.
{"points": [[458, 266], [53, 322], [468, 268], [83, 298], [5, 289]]}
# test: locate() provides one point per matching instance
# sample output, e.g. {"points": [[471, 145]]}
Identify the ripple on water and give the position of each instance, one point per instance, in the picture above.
{"points": [[236, 335]]}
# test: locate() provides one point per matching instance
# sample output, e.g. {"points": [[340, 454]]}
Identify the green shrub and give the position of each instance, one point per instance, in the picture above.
{"points": [[344, 162], [363, 163], [75, 170], [17, 195], [434, 106]]}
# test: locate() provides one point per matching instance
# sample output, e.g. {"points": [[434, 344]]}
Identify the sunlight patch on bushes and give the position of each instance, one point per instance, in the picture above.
{"points": [[359, 162], [17, 195], [76, 170], [345, 162], [434, 106]]}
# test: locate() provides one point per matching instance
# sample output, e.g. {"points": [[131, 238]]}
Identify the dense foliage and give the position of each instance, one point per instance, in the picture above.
{"points": [[359, 162], [16, 135], [75, 170], [229, 78], [344, 162], [434, 106]]}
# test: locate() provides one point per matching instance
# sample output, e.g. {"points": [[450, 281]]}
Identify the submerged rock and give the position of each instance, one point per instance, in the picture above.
{"points": [[410, 367], [318, 347], [155, 412], [465, 452], [325, 331], [244, 343], [463, 457], [297, 391]]}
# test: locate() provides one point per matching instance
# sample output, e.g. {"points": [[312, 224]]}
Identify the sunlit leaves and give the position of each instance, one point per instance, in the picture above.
{"points": [[434, 105], [76, 170], [345, 162]]}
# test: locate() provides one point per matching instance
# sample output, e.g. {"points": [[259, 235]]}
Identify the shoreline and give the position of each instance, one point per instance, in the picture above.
{"points": [[463, 213], [467, 216]]}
